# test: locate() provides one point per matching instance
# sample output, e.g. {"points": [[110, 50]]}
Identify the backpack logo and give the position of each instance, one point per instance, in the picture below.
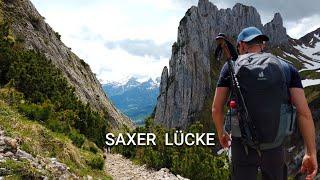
{"points": [[261, 76]]}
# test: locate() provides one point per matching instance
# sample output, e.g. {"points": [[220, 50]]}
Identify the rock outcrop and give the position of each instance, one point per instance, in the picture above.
{"points": [[275, 30], [43, 168], [162, 98], [30, 28], [311, 38], [193, 73]]}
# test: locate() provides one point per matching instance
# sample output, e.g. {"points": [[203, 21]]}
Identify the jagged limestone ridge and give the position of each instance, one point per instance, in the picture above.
{"points": [[187, 88]]}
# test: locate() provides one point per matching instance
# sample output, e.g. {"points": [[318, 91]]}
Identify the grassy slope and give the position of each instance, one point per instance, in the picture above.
{"points": [[312, 93], [38, 140], [310, 74]]}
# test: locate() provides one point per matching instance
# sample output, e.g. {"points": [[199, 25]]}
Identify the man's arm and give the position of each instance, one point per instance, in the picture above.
{"points": [[306, 126], [219, 101], [305, 121]]}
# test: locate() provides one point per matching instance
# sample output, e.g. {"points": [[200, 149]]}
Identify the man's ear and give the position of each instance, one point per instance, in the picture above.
{"points": [[263, 47]]}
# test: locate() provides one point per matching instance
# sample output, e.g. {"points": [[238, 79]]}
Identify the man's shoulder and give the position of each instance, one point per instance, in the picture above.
{"points": [[292, 74], [259, 55], [288, 65]]}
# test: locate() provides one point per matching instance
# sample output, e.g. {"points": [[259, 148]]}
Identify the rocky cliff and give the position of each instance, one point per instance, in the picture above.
{"points": [[30, 28], [275, 30], [311, 38], [188, 86]]}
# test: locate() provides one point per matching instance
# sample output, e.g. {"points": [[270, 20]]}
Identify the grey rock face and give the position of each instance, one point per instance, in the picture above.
{"points": [[161, 101], [275, 30], [311, 38], [190, 82], [28, 25]]}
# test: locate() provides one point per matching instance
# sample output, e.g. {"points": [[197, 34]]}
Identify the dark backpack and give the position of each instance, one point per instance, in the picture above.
{"points": [[263, 80]]}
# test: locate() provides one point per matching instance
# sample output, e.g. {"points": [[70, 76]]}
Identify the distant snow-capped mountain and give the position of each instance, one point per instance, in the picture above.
{"points": [[308, 47], [304, 53], [134, 97]]}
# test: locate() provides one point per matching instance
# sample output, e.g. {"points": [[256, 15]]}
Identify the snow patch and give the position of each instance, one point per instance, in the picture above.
{"points": [[288, 54], [309, 51], [308, 64], [153, 85], [130, 82], [311, 41], [314, 62], [124, 81], [310, 82], [119, 83]]}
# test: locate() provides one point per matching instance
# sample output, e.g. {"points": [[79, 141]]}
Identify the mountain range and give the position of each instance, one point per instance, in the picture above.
{"points": [[135, 98], [187, 85]]}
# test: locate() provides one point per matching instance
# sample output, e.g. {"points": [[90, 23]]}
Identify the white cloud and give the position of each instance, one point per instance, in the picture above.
{"points": [[163, 4], [296, 29], [86, 26], [117, 64], [142, 47], [123, 65]]}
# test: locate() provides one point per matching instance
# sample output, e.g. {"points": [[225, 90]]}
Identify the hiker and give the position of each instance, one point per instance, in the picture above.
{"points": [[108, 149], [246, 159]]}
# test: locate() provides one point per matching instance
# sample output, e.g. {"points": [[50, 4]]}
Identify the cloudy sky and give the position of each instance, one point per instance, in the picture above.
{"points": [[124, 38]]}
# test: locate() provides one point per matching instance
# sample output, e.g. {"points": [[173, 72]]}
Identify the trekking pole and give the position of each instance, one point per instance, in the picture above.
{"points": [[247, 128]]}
